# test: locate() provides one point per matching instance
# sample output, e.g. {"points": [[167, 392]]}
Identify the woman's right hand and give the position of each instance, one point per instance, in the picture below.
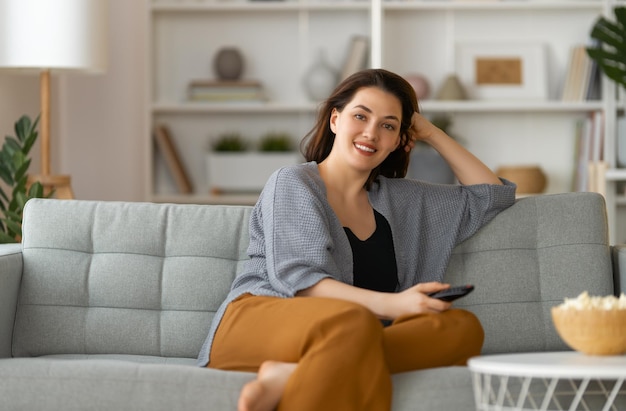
{"points": [[415, 300], [386, 306]]}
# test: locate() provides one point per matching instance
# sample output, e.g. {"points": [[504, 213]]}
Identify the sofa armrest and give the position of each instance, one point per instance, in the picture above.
{"points": [[10, 277], [619, 268]]}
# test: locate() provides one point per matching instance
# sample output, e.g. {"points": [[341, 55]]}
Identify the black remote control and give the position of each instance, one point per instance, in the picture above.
{"points": [[453, 293]]}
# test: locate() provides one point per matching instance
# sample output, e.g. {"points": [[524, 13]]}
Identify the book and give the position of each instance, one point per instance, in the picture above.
{"points": [[580, 73], [582, 150], [357, 56], [597, 136], [167, 148], [223, 91], [589, 150], [594, 86]]}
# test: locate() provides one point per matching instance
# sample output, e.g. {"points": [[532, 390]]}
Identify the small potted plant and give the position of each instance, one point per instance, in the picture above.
{"points": [[230, 142], [276, 142], [232, 167]]}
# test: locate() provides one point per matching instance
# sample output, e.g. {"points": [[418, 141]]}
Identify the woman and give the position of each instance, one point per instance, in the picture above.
{"points": [[344, 241]]}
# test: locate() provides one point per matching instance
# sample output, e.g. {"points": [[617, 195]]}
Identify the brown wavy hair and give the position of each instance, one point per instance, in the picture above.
{"points": [[318, 142]]}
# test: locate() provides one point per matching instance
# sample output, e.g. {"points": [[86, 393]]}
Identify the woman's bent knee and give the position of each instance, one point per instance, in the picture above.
{"points": [[354, 321], [471, 331]]}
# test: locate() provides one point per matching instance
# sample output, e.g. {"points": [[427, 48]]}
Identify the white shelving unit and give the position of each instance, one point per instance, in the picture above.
{"points": [[613, 175], [281, 39]]}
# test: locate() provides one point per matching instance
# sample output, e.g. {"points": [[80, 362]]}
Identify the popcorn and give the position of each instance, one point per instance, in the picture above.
{"points": [[586, 302]]}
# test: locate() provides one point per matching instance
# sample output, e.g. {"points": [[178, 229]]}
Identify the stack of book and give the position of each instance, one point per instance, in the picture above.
{"points": [[582, 81], [589, 151], [226, 91]]}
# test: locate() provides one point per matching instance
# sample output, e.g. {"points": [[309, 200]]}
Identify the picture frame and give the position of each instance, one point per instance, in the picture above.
{"points": [[502, 70]]}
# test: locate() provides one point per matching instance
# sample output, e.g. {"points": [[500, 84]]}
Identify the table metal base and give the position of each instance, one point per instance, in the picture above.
{"points": [[508, 393]]}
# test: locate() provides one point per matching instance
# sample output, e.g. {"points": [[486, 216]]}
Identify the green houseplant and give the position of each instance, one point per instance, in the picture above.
{"points": [[230, 142], [609, 53], [231, 167], [609, 50], [14, 164], [274, 141]]}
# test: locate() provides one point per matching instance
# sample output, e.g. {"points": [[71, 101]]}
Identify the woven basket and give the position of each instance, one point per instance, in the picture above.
{"points": [[529, 179], [593, 331]]}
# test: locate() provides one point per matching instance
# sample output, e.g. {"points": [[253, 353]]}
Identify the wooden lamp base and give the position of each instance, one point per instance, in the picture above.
{"points": [[60, 184]]}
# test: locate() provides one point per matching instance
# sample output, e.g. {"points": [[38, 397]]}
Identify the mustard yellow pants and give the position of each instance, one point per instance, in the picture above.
{"points": [[345, 356]]}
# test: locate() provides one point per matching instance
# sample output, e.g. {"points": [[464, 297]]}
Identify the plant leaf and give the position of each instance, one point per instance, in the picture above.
{"points": [[31, 138], [36, 190], [609, 33], [21, 171], [14, 164], [22, 127], [20, 198], [14, 216], [6, 238], [14, 226], [5, 175], [620, 15], [610, 53]]}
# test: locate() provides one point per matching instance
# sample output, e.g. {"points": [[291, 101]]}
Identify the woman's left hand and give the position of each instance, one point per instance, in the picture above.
{"points": [[421, 129]]}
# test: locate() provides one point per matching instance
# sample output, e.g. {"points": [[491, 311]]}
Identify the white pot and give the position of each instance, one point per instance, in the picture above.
{"points": [[246, 171]]}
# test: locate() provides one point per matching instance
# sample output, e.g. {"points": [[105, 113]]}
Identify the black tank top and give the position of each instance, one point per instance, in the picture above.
{"points": [[374, 259]]}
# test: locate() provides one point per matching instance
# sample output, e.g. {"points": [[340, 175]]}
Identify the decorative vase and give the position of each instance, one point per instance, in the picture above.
{"points": [[228, 64], [452, 89], [420, 84], [320, 79]]}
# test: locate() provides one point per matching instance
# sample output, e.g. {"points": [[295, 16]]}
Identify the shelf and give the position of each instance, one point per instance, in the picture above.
{"points": [[616, 174], [510, 106], [259, 6], [199, 107], [326, 5], [493, 4], [427, 106]]}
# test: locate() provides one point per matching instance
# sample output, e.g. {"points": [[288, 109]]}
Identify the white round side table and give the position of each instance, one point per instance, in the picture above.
{"points": [[548, 381]]}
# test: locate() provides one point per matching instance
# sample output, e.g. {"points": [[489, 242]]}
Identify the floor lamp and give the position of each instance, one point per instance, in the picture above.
{"points": [[52, 36]]}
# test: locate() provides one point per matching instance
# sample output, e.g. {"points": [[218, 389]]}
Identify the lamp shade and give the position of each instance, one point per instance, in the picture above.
{"points": [[53, 34]]}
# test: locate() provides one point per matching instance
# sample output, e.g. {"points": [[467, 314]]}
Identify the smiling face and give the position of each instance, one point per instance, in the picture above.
{"points": [[368, 128]]}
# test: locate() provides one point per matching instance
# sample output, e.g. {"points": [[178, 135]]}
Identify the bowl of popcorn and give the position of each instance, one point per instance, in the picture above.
{"points": [[592, 325]]}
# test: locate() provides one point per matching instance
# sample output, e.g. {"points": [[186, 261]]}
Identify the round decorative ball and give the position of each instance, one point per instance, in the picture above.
{"points": [[228, 64], [420, 84]]}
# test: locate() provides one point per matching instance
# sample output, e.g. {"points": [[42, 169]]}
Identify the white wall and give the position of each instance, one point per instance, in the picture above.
{"points": [[97, 120]]}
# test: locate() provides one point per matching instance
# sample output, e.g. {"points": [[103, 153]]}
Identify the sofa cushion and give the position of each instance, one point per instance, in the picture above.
{"points": [[124, 278], [53, 384], [527, 260]]}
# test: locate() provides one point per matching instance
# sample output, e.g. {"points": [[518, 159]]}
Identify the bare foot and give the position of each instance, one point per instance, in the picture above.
{"points": [[264, 393]]}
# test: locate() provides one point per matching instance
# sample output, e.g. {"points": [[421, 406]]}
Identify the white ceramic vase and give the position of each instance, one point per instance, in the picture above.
{"points": [[320, 79]]}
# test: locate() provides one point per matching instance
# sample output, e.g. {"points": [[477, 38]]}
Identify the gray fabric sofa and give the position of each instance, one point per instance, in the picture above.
{"points": [[104, 305]]}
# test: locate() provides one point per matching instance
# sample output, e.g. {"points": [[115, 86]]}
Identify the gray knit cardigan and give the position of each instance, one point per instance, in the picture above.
{"points": [[296, 239]]}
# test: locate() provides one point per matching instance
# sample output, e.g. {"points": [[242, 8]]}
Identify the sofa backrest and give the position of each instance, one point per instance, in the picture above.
{"points": [[124, 278], [138, 278], [527, 260]]}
